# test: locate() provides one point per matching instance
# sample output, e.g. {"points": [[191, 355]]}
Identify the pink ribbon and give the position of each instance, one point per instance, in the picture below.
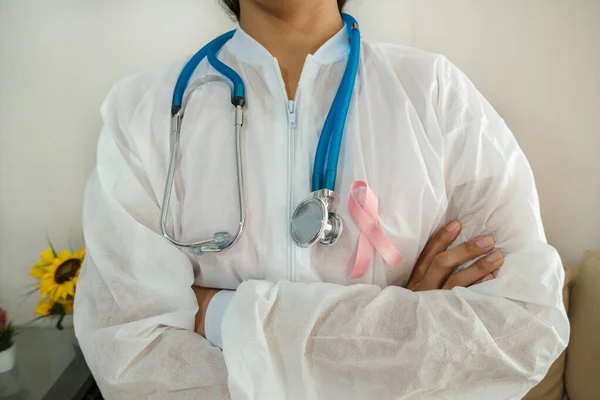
{"points": [[364, 212]]}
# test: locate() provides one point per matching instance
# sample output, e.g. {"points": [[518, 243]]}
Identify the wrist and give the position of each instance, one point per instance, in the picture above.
{"points": [[203, 296]]}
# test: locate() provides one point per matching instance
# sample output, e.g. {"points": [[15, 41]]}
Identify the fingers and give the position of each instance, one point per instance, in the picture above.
{"points": [[443, 263], [440, 241], [486, 278], [437, 244], [476, 272]]}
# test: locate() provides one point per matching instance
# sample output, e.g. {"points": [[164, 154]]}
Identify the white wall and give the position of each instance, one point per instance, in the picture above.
{"points": [[538, 61]]}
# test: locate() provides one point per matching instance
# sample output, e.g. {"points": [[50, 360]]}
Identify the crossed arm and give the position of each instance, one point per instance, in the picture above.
{"points": [[136, 314], [432, 271]]}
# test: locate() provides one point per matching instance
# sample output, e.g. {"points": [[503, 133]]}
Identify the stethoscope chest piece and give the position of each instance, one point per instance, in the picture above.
{"points": [[313, 222]]}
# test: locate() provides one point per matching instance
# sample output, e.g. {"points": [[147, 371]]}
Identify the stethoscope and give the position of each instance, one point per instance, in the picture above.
{"points": [[314, 220]]}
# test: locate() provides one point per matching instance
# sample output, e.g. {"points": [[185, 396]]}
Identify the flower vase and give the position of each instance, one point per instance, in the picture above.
{"points": [[8, 358]]}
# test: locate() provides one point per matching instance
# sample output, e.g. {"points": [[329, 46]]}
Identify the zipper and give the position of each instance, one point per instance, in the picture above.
{"points": [[291, 107], [292, 123]]}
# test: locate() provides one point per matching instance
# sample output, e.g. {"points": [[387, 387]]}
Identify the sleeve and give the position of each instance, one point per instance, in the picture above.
{"points": [[135, 308], [493, 340], [214, 317]]}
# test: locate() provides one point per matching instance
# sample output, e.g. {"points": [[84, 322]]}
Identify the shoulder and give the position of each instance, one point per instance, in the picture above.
{"points": [[136, 108], [404, 61], [139, 103], [424, 76], [415, 67], [144, 88], [429, 77], [400, 53]]}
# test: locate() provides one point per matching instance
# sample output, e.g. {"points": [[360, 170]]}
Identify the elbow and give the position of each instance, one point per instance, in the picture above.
{"points": [[89, 344], [523, 340], [107, 357], [111, 363], [554, 337], [541, 348]]}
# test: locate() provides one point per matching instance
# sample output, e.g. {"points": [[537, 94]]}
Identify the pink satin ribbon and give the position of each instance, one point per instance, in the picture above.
{"points": [[365, 213]]}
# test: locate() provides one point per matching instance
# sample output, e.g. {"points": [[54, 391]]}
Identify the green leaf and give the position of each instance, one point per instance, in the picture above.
{"points": [[7, 335], [36, 319], [32, 291], [26, 295], [51, 246]]}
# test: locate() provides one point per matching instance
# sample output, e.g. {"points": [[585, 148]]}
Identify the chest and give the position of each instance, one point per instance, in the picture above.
{"points": [[386, 144]]}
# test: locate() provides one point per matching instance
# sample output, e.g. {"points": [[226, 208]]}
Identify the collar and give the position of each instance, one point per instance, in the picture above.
{"points": [[244, 46]]}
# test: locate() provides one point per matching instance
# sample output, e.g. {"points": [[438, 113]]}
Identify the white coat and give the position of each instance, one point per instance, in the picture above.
{"points": [[431, 148]]}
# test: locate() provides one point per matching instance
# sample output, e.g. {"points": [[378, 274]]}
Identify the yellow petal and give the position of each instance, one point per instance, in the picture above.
{"points": [[43, 308], [47, 277], [79, 254], [46, 283], [37, 272], [44, 293], [47, 287], [67, 306], [58, 293], [64, 291], [53, 267], [47, 256], [64, 255]]}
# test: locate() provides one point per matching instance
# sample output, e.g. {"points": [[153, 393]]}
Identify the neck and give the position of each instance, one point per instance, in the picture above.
{"points": [[291, 32]]}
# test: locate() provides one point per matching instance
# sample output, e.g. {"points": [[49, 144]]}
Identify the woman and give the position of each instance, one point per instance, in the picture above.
{"points": [[299, 323]]}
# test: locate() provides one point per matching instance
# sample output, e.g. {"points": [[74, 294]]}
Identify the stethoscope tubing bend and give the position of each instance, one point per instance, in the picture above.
{"points": [[326, 157]]}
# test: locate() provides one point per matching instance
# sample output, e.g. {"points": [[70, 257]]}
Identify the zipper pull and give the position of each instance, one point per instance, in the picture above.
{"points": [[292, 113]]}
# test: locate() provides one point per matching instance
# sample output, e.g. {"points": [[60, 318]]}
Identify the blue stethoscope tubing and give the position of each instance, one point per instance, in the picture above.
{"points": [[210, 50], [328, 149], [330, 142]]}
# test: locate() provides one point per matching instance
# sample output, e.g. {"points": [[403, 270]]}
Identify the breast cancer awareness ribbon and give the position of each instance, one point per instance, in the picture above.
{"points": [[363, 206]]}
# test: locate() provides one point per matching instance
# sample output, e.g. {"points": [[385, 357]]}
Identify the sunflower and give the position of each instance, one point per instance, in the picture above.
{"points": [[60, 277]]}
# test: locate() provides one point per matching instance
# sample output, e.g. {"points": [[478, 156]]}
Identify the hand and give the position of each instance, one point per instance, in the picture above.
{"points": [[434, 267], [204, 296]]}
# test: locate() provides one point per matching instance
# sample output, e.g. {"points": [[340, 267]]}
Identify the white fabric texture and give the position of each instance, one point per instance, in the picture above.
{"points": [[431, 148]]}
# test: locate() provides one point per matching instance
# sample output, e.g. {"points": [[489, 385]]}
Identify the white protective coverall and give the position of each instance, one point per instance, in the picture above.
{"points": [[430, 147]]}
